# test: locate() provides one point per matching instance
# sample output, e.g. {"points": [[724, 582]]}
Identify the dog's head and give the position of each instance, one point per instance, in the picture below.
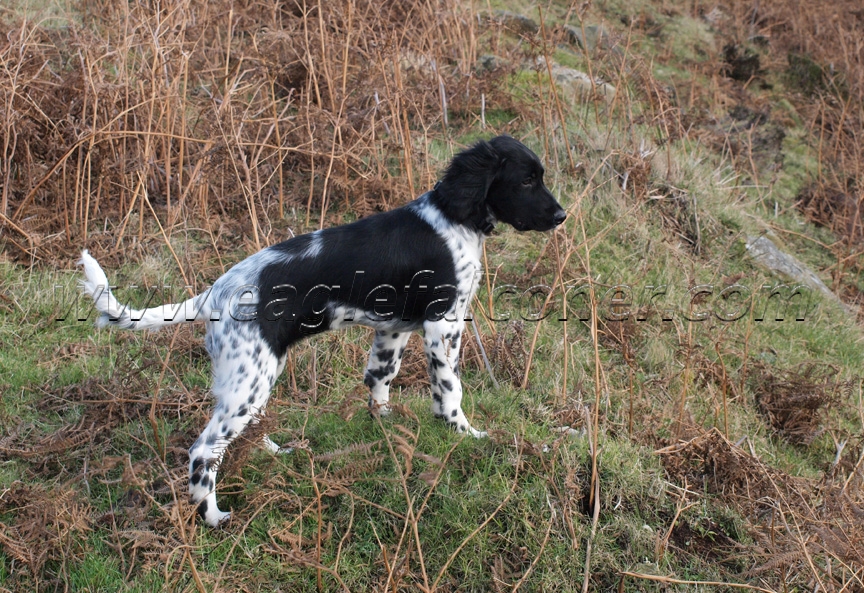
{"points": [[499, 180]]}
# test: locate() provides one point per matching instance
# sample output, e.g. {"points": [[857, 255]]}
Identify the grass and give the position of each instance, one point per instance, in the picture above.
{"points": [[629, 454]]}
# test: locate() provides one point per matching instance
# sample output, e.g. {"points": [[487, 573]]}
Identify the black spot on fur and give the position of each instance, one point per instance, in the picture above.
{"points": [[454, 413], [369, 380], [205, 482], [202, 509], [447, 385], [436, 397], [242, 411], [385, 355], [382, 372]]}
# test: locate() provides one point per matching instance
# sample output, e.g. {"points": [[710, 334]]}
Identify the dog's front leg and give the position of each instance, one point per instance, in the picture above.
{"points": [[384, 361], [441, 341]]}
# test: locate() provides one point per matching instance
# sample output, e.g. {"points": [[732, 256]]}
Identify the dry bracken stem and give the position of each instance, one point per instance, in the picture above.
{"points": [[174, 516], [410, 518], [724, 388], [598, 389], [540, 552], [554, 90], [344, 538], [319, 511], [563, 401], [152, 415], [686, 378], [480, 527], [671, 581], [546, 302], [239, 537], [589, 546]]}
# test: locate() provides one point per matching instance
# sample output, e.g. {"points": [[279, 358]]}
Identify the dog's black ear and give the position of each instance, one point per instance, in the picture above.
{"points": [[461, 193]]}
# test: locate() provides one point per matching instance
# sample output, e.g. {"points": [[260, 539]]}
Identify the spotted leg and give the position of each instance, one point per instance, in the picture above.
{"points": [[244, 371], [441, 342], [384, 361]]}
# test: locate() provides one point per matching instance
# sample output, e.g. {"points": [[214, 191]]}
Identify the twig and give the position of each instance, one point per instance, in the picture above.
{"points": [[483, 353], [671, 581], [481, 526], [539, 553]]}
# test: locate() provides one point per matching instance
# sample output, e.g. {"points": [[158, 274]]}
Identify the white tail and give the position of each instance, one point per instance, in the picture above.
{"points": [[113, 313]]}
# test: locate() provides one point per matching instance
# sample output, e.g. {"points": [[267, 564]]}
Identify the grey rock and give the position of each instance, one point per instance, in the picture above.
{"points": [[518, 23], [579, 86], [593, 37], [489, 63], [768, 255]]}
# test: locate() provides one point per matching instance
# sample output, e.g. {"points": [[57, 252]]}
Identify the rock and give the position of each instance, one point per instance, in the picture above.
{"points": [[490, 63], [518, 23], [579, 86], [593, 37], [766, 254]]}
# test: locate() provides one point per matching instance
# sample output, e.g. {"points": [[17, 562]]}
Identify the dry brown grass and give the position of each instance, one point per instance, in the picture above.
{"points": [[205, 112], [818, 48], [804, 531]]}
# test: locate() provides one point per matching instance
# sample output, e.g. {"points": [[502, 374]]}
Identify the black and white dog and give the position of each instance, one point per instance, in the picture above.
{"points": [[409, 269]]}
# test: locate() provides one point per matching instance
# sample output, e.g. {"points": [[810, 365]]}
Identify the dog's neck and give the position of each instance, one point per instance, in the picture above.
{"points": [[488, 225], [482, 227]]}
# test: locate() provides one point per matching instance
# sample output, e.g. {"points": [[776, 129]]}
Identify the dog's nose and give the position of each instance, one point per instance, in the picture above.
{"points": [[559, 217]]}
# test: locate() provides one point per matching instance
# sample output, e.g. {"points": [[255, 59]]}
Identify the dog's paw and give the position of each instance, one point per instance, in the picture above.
{"points": [[221, 520], [211, 514], [379, 409]]}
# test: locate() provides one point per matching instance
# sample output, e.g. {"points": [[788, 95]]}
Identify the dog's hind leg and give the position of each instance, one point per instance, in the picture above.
{"points": [[384, 361], [441, 341], [244, 371]]}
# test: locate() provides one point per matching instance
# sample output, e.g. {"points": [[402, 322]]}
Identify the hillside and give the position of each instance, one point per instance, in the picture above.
{"points": [[671, 381]]}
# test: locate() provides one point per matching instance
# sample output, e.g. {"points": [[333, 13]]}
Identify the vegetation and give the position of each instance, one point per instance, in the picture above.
{"points": [[692, 421]]}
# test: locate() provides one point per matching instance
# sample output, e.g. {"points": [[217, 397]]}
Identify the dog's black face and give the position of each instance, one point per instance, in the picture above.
{"points": [[498, 180]]}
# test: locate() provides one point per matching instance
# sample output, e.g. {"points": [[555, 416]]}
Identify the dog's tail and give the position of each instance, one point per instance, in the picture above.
{"points": [[114, 314]]}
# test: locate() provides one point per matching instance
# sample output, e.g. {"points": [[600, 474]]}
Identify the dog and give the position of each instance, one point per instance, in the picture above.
{"points": [[413, 268]]}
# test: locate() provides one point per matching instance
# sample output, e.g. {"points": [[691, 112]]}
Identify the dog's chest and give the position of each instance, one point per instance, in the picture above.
{"points": [[465, 249]]}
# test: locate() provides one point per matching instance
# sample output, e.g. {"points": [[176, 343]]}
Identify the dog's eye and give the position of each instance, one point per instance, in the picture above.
{"points": [[529, 181]]}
